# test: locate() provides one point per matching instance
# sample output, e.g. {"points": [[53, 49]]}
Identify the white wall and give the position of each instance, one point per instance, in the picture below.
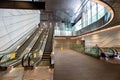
{"points": [[105, 38], [14, 23]]}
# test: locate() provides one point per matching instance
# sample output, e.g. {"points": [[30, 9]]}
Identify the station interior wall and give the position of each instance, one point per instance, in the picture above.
{"points": [[15, 24]]}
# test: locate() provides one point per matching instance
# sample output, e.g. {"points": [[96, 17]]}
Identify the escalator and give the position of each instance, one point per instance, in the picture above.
{"points": [[15, 58], [110, 53], [107, 52], [48, 48], [30, 60], [45, 57]]}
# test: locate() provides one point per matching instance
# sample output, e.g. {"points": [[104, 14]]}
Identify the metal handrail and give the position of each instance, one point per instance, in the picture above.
{"points": [[15, 42], [31, 55], [17, 48]]}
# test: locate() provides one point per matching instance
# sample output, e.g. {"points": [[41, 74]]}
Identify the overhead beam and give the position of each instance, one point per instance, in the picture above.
{"points": [[77, 19], [22, 5]]}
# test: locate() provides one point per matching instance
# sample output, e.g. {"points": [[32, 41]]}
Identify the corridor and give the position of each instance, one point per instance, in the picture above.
{"points": [[70, 65]]}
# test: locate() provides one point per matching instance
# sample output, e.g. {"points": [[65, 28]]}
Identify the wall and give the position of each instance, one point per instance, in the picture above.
{"points": [[104, 38], [14, 24], [63, 42]]}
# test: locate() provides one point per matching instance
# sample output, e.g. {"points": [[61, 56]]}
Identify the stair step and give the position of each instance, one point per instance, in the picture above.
{"points": [[45, 59], [46, 54]]}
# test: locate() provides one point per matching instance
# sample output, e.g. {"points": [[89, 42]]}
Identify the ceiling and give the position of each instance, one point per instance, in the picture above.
{"points": [[63, 9]]}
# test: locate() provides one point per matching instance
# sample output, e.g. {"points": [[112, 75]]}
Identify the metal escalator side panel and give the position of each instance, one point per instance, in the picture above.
{"points": [[116, 51], [33, 61], [1, 58], [24, 59], [4, 59], [26, 43], [29, 59], [37, 42], [12, 62]]}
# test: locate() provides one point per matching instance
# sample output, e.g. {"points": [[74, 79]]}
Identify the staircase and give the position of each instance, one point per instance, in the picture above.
{"points": [[48, 48]]}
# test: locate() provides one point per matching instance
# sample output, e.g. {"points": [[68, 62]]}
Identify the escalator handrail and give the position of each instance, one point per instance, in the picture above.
{"points": [[24, 55], [16, 49], [23, 59], [36, 41], [112, 50], [14, 43], [4, 54], [99, 50], [30, 57], [1, 58], [37, 61], [116, 52], [13, 64], [26, 40], [36, 50]]}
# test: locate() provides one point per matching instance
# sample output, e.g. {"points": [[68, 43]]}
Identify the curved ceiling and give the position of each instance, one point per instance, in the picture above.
{"points": [[64, 9]]}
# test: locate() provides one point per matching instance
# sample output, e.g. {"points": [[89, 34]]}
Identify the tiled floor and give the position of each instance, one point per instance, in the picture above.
{"points": [[14, 74], [40, 73], [112, 60], [70, 65], [115, 60]]}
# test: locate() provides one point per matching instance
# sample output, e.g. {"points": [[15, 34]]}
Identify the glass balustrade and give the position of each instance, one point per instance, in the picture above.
{"points": [[91, 13]]}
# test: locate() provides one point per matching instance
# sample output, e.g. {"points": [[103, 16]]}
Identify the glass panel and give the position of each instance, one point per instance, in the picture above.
{"points": [[89, 12], [101, 11], [78, 26], [94, 9], [94, 12]]}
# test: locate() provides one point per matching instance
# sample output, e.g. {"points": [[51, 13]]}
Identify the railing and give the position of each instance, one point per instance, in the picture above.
{"points": [[77, 47], [15, 43], [25, 59], [94, 26], [15, 55], [33, 58], [93, 51], [110, 52], [36, 56]]}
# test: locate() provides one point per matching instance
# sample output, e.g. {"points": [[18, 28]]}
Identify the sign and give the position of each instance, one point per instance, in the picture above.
{"points": [[35, 55], [12, 55]]}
